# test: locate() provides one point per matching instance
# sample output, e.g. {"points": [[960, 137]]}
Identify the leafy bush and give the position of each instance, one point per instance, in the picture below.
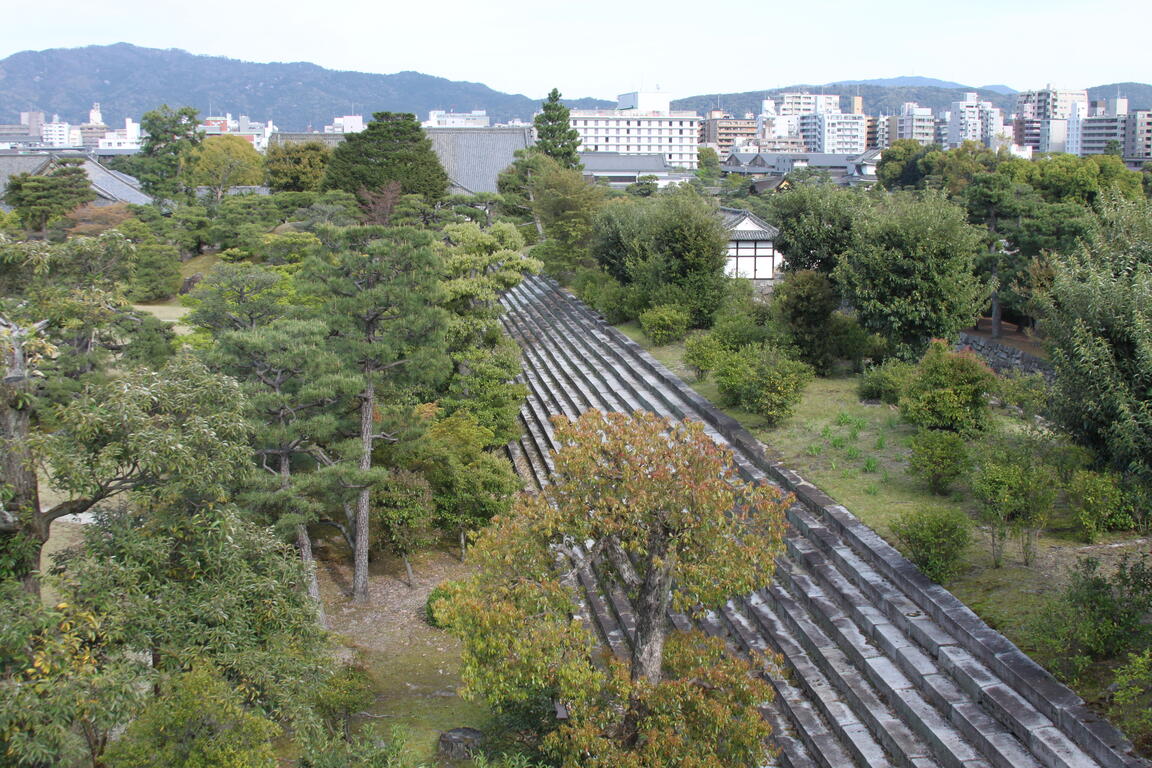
{"points": [[762, 380], [935, 540], [437, 595], [938, 457], [701, 352], [1015, 494], [156, 273], [1132, 705], [849, 341], [1027, 391], [887, 382], [199, 720], [1096, 617], [948, 391], [605, 294], [664, 324], [1097, 499]]}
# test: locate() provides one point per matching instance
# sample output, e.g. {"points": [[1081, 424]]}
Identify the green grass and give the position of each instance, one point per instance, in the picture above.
{"points": [[857, 454]]}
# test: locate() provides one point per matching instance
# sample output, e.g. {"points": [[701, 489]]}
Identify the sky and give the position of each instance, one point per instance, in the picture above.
{"points": [[597, 48]]}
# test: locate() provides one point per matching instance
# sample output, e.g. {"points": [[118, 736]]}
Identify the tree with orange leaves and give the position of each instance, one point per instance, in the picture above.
{"points": [[657, 509]]}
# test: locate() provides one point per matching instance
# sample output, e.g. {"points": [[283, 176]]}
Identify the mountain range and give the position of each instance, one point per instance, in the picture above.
{"points": [[128, 81]]}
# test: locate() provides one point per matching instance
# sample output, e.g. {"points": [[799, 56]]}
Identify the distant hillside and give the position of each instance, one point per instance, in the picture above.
{"points": [[128, 81], [1139, 94], [1005, 89], [905, 82]]}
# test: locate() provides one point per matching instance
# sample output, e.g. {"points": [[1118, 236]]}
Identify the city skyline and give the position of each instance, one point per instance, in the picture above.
{"points": [[511, 45]]}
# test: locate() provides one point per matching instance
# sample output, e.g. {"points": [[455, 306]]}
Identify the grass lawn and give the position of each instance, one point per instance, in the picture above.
{"points": [[857, 454], [414, 668], [172, 310]]}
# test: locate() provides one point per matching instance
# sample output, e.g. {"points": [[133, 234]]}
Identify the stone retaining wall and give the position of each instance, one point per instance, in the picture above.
{"points": [[1002, 357]]}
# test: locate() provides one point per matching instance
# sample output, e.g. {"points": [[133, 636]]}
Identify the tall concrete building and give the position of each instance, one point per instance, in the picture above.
{"points": [[974, 120], [722, 131], [643, 123], [834, 133], [805, 103], [1042, 116]]}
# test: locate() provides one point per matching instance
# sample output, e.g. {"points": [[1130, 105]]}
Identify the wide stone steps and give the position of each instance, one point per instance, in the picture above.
{"points": [[882, 667]]}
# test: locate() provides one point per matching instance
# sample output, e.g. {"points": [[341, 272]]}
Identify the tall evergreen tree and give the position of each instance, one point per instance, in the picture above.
{"points": [[39, 199], [392, 148], [555, 136], [378, 290]]}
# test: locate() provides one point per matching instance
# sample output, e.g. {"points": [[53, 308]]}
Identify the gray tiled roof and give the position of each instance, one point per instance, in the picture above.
{"points": [[474, 157], [11, 165], [603, 162], [117, 187], [107, 184], [733, 216]]}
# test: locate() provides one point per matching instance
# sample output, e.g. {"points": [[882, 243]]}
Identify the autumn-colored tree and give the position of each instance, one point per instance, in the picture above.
{"points": [[221, 163], [652, 502]]}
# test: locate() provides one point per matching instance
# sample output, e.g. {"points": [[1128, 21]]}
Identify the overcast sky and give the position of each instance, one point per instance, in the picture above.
{"points": [[598, 48]]}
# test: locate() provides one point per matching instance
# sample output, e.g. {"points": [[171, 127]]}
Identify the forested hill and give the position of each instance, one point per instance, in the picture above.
{"points": [[128, 81]]}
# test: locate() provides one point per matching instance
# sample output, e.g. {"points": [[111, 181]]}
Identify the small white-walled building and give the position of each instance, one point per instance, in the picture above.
{"points": [[751, 245]]}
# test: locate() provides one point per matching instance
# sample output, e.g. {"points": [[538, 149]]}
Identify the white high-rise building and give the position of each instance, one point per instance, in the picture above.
{"points": [[643, 123], [1042, 117], [834, 133], [806, 103], [974, 120], [438, 118], [346, 124], [58, 134]]}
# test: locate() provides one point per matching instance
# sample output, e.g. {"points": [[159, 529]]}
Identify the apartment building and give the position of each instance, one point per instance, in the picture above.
{"points": [[643, 123], [723, 132], [974, 120], [1042, 116], [834, 133]]}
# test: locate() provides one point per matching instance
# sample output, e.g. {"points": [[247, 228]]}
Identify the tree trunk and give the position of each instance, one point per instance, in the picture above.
{"points": [[20, 515], [997, 315], [463, 543], [303, 543], [651, 610], [408, 568], [360, 565]]}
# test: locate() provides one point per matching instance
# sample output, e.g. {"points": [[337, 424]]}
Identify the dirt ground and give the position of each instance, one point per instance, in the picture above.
{"points": [[414, 667]]}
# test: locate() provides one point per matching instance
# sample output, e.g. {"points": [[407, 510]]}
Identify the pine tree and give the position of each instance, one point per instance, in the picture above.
{"points": [[39, 199], [378, 292], [555, 136], [392, 148]]}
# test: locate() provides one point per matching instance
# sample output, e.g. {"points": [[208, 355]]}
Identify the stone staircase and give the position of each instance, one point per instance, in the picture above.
{"points": [[882, 667]]}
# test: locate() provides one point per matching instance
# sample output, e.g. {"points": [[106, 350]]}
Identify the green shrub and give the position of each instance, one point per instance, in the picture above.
{"points": [[1095, 617], [1132, 705], [1015, 495], [762, 380], [935, 540], [939, 458], [948, 391], [849, 341], [734, 330], [886, 382], [701, 352], [156, 273], [1027, 391], [664, 324], [437, 595], [604, 294], [198, 720], [1098, 501]]}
